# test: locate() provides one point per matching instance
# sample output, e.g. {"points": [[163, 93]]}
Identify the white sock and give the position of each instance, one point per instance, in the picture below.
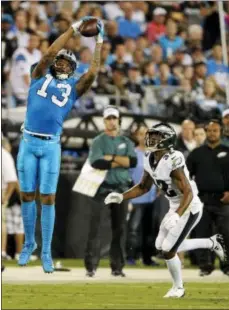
{"points": [[174, 266], [192, 244]]}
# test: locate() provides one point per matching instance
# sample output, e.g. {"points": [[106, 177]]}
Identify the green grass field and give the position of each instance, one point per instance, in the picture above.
{"points": [[113, 296]]}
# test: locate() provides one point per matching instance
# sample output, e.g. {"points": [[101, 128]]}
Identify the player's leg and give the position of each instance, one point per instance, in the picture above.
{"points": [[118, 222], [169, 247], [49, 173], [27, 164], [214, 243]]}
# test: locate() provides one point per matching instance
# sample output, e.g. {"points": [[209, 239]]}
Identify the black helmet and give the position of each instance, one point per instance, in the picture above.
{"points": [[160, 137]]}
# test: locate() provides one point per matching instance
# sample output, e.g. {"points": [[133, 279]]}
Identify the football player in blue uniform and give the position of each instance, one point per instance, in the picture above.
{"points": [[53, 90]]}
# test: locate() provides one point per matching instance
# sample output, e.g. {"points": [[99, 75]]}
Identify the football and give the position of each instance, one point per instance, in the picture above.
{"points": [[89, 28]]}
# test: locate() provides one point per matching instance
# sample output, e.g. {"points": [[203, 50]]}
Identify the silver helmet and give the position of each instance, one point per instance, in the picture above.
{"points": [[59, 72]]}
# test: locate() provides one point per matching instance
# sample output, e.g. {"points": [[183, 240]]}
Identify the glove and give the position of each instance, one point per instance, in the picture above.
{"points": [[77, 25], [113, 198], [171, 221], [99, 37]]}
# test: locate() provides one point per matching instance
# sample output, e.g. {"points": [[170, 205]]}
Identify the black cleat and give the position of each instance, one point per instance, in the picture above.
{"points": [[118, 273], [90, 274], [3, 268], [204, 273]]}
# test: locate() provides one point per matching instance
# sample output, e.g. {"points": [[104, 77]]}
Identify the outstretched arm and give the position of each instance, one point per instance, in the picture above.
{"points": [[87, 79], [57, 45], [51, 53], [136, 191], [141, 188]]}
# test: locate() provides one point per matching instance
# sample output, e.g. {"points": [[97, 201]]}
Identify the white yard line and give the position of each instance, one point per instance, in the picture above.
{"points": [[34, 275]]}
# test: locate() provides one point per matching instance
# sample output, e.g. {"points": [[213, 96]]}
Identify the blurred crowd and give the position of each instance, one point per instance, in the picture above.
{"points": [[158, 57]]}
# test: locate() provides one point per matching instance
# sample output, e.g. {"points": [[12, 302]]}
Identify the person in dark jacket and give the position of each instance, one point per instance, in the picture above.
{"points": [[209, 165]]}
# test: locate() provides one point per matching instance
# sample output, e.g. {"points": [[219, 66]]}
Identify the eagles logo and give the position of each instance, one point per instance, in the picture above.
{"points": [[176, 162]]}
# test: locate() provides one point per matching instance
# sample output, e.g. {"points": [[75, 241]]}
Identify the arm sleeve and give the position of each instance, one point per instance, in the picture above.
{"points": [[102, 164]]}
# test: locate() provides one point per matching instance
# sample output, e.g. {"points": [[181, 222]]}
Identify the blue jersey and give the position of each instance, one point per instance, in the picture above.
{"points": [[49, 102]]}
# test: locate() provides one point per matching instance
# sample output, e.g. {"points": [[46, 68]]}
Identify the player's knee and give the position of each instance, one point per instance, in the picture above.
{"points": [[158, 244], [47, 199], [166, 246], [27, 197], [168, 255]]}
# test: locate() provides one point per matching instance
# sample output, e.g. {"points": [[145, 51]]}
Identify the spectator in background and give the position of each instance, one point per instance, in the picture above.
{"points": [[84, 60], [23, 58], [197, 54], [126, 26], [106, 154], [119, 58], [143, 224], [139, 16], [211, 26], [216, 68], [206, 105], [156, 54], [225, 120], [185, 141], [112, 34], [209, 165], [143, 43], [199, 135], [62, 24], [19, 31], [138, 57], [130, 46], [195, 36], [149, 71], [181, 57], [200, 72], [7, 47], [170, 42], [165, 77], [134, 88], [156, 28], [9, 185]]}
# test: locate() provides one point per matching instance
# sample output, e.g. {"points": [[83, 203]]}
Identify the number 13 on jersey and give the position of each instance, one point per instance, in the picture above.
{"points": [[42, 91]]}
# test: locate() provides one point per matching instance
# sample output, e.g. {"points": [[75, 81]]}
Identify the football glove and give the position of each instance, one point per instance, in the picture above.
{"points": [[99, 37], [113, 198], [171, 221], [77, 25]]}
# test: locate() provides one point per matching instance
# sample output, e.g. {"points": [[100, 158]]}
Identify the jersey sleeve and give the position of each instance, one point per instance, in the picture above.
{"points": [[176, 160]]}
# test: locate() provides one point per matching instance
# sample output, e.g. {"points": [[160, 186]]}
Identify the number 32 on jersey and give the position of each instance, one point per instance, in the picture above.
{"points": [[42, 91]]}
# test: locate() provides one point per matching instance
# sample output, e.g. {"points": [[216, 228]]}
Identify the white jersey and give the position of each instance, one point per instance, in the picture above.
{"points": [[161, 175], [22, 61]]}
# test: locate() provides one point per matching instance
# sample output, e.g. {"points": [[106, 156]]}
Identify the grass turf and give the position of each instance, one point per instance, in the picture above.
{"points": [[113, 296], [103, 263]]}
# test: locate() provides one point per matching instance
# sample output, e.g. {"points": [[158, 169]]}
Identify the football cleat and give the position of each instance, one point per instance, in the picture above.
{"points": [[47, 263], [118, 273], [175, 292], [90, 274], [26, 253], [219, 246]]}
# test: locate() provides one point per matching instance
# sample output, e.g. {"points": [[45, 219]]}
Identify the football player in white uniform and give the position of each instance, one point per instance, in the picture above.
{"points": [[167, 169]]}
